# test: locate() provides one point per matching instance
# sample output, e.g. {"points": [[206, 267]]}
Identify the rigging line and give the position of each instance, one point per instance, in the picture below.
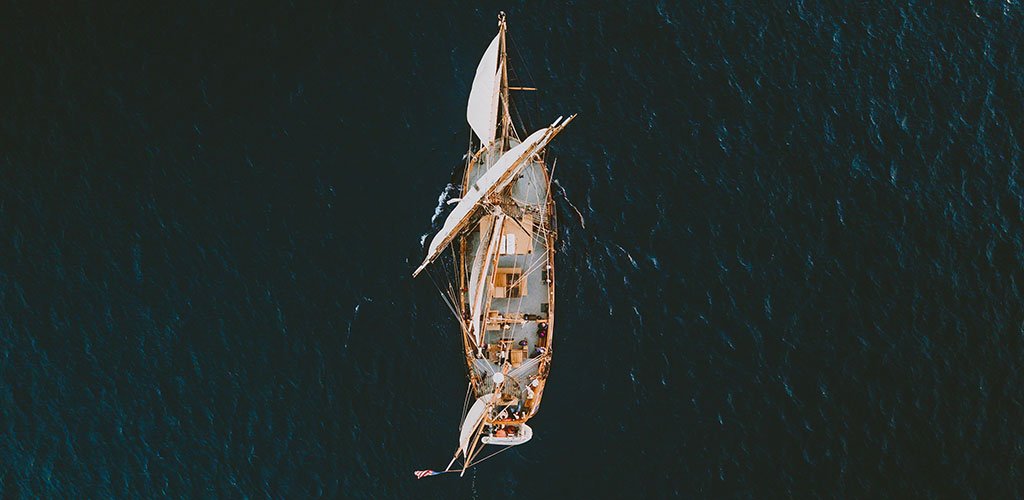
{"points": [[451, 287], [533, 190], [536, 224], [551, 175], [515, 46], [521, 226], [452, 298], [537, 210], [464, 330], [494, 275], [457, 313], [449, 304], [470, 454], [445, 298], [529, 184], [491, 455], [551, 178], [519, 305], [518, 282], [519, 301], [465, 404], [511, 109], [443, 269], [532, 269]]}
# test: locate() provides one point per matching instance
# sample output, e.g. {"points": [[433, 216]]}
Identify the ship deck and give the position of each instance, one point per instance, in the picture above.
{"points": [[517, 324]]}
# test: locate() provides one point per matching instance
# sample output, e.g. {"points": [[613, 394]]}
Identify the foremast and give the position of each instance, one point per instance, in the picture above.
{"points": [[506, 115]]}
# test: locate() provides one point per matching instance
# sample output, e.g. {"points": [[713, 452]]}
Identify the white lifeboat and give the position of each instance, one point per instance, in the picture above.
{"points": [[524, 435]]}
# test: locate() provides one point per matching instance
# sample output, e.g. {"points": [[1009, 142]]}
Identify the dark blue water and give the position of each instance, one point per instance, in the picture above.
{"points": [[797, 272]]}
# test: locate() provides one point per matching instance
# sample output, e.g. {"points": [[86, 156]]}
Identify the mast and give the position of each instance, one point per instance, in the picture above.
{"points": [[506, 117]]}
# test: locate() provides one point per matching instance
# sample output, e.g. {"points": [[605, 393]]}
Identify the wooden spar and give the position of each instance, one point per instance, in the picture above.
{"points": [[522, 88], [551, 178], [449, 467], [550, 235], [492, 248], [470, 165], [520, 224], [462, 290], [472, 447], [503, 63], [490, 288], [469, 454], [469, 168]]}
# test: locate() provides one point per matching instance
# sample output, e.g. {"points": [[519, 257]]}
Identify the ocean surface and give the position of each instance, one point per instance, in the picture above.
{"points": [[795, 270]]}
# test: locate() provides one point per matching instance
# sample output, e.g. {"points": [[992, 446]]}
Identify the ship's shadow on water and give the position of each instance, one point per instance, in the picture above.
{"points": [[790, 249]]}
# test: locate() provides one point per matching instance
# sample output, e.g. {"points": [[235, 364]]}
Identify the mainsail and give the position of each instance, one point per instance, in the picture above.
{"points": [[482, 111], [495, 179], [478, 275]]}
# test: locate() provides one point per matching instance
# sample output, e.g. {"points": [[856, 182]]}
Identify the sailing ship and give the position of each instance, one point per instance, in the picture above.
{"points": [[501, 287]]}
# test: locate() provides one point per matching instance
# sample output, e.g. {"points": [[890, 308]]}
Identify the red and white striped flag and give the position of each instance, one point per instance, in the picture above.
{"points": [[420, 474]]}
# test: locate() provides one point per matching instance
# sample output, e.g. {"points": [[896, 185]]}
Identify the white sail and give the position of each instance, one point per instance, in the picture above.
{"points": [[482, 110], [495, 179], [480, 275], [472, 421], [486, 226]]}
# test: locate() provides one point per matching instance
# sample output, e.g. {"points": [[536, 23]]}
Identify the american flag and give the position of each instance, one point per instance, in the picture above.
{"points": [[420, 474]]}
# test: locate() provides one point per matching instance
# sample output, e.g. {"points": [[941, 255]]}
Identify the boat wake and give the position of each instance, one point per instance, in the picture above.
{"points": [[565, 196], [442, 200]]}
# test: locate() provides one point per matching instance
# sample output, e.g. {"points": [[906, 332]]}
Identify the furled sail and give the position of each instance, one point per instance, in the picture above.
{"points": [[486, 228], [482, 111], [495, 179], [480, 274]]}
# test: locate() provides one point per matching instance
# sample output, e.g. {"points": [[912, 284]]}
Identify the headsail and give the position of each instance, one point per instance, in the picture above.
{"points": [[495, 179], [482, 110], [474, 416]]}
